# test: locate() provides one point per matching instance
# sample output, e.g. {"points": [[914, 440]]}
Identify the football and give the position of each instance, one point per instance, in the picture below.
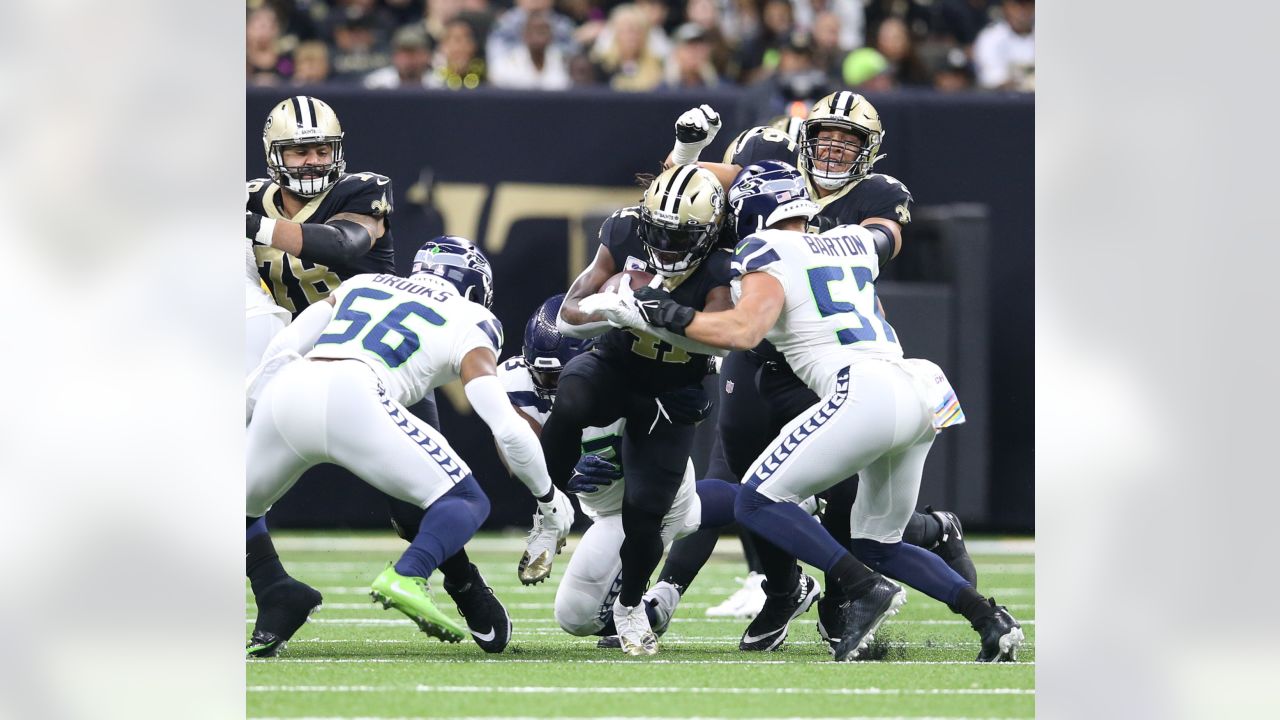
{"points": [[637, 278]]}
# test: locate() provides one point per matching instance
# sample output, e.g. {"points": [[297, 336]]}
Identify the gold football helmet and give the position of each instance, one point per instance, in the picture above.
{"points": [[303, 120], [680, 218], [833, 163]]}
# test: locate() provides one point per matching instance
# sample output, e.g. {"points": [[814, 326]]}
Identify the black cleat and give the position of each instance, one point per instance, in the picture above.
{"points": [[487, 619], [609, 642], [951, 546], [1001, 635], [864, 614], [282, 609], [769, 628], [831, 617]]}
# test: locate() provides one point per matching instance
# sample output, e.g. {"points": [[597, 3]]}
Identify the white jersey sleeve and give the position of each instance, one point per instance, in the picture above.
{"points": [[518, 384]]}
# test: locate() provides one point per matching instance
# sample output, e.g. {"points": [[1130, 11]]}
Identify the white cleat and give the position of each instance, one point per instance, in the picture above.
{"points": [[745, 603], [634, 633], [663, 598]]}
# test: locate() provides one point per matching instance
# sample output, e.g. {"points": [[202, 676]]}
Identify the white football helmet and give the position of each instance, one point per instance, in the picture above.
{"points": [[303, 120]]}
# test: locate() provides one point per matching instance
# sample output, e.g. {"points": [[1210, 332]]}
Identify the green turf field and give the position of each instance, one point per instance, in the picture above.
{"points": [[355, 660]]}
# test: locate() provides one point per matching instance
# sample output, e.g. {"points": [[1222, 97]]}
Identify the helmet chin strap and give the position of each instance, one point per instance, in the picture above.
{"points": [[829, 183]]}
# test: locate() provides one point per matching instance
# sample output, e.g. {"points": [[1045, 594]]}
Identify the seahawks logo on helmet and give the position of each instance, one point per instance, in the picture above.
{"points": [[460, 262]]}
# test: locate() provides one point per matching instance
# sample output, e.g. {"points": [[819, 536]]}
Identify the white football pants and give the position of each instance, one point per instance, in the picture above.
{"points": [[877, 423], [593, 578], [258, 331], [315, 412]]}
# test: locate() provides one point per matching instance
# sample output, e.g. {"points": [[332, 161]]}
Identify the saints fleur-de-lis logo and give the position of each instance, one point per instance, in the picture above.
{"points": [[381, 206]]}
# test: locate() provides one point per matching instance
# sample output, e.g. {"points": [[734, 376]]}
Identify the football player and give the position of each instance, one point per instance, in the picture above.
{"points": [[672, 234], [314, 225], [813, 296], [586, 594], [838, 144], [377, 345]]}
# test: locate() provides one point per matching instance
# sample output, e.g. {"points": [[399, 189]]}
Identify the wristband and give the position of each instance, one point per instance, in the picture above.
{"points": [[685, 153], [266, 227]]}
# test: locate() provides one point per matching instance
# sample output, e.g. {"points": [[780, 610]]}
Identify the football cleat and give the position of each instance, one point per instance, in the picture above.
{"points": [[282, 609], [951, 546], [831, 618], [487, 619], [745, 602], [864, 614], [547, 538], [409, 596], [1001, 635], [661, 600], [635, 636], [769, 629], [609, 642]]}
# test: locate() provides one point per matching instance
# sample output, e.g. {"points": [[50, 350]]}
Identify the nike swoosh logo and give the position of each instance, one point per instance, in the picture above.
{"points": [[493, 632], [750, 639]]}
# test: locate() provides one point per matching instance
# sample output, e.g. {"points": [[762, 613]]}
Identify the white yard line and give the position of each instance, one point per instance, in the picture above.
{"points": [[626, 717], [535, 621], [457, 661], [557, 690]]}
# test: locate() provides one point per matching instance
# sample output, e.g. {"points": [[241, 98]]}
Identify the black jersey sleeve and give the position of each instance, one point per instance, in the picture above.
{"points": [[763, 143], [885, 196], [363, 193], [620, 235], [255, 191]]}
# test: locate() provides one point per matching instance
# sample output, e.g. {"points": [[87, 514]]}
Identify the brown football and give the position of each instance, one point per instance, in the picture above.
{"points": [[638, 279]]}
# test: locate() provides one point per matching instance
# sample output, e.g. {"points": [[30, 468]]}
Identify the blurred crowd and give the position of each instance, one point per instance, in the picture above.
{"points": [[794, 47]]}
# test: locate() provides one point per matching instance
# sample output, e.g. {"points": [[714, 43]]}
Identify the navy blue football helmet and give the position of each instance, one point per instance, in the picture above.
{"points": [[545, 350], [459, 261], [767, 192]]}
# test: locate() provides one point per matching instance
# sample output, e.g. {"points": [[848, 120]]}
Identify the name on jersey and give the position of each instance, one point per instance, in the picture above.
{"points": [[413, 288], [837, 245]]}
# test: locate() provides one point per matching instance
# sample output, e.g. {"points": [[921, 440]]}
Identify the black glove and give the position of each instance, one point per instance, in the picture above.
{"points": [[592, 473], [691, 129], [659, 310], [686, 405], [252, 223]]}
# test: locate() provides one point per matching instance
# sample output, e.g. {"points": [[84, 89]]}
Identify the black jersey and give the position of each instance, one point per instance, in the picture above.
{"points": [[296, 283], [656, 365]]}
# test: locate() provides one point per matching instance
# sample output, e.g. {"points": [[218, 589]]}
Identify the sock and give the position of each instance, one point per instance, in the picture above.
{"points": [[851, 576], [750, 552], [262, 564], [781, 573], [640, 552], [971, 605], [922, 531], [687, 556], [835, 519], [912, 565], [717, 498], [457, 571], [789, 528], [446, 526]]}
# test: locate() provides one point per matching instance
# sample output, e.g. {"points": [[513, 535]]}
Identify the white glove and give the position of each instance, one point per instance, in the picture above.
{"points": [[557, 513], [619, 310], [695, 130]]}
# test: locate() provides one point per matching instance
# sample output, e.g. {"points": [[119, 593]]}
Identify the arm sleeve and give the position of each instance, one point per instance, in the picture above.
{"points": [[516, 441], [340, 241]]}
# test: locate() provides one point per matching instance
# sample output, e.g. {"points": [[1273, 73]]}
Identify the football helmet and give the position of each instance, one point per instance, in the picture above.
{"points": [[767, 192], [845, 163], [545, 350], [680, 218], [303, 120], [458, 261]]}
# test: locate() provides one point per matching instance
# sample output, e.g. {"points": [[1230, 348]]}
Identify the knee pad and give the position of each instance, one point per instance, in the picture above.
{"points": [[468, 490], [582, 614]]}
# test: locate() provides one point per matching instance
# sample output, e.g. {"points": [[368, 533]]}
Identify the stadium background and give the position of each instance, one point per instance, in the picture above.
{"points": [[531, 175]]}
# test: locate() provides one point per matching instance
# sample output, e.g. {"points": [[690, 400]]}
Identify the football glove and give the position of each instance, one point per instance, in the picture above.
{"points": [[592, 473], [687, 405], [657, 308], [695, 129], [620, 311]]}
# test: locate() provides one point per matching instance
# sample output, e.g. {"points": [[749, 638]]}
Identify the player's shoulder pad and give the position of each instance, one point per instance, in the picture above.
{"points": [[753, 254], [366, 193], [489, 324], [619, 226], [764, 143], [256, 189]]}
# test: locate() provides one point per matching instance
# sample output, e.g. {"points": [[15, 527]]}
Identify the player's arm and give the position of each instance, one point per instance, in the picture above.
{"points": [[739, 328], [518, 445], [572, 321], [888, 237], [342, 238], [718, 300]]}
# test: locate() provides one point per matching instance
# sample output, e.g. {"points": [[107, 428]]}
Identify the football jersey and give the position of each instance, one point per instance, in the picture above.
{"points": [[296, 283], [656, 365], [257, 297], [413, 332], [829, 318]]}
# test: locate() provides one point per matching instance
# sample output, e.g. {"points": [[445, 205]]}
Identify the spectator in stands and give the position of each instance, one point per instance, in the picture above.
{"points": [[404, 12], [508, 30], [626, 61], [536, 64], [437, 14], [796, 79], [659, 44], [689, 65], [1005, 52], [358, 40], [265, 63], [952, 70], [459, 63], [958, 22], [893, 41], [311, 63], [758, 56], [828, 55], [707, 14], [410, 61], [866, 70]]}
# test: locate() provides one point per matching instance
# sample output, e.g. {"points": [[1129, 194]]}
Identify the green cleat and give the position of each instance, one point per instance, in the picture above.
{"points": [[409, 596]]}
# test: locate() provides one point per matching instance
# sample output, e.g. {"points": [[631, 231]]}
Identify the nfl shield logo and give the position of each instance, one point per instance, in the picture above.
{"points": [[728, 386]]}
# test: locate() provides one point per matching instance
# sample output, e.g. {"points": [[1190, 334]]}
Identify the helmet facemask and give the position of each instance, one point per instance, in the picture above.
{"points": [[306, 180], [680, 218], [856, 159], [674, 249], [303, 121]]}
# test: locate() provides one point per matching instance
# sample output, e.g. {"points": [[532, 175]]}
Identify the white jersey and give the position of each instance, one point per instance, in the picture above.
{"points": [[603, 441], [830, 318], [413, 332]]}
